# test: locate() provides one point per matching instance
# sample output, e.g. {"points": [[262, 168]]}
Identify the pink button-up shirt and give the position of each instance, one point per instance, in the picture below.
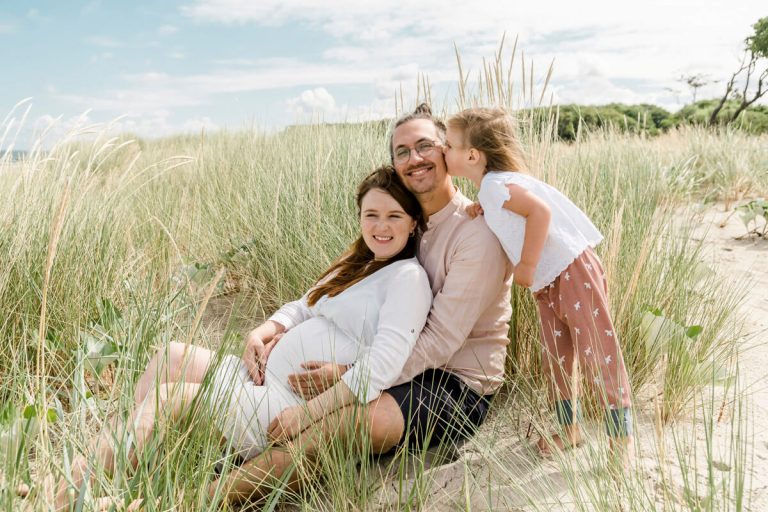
{"points": [[467, 326]]}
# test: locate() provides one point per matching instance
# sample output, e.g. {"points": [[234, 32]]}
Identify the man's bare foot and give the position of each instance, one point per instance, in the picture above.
{"points": [[570, 438]]}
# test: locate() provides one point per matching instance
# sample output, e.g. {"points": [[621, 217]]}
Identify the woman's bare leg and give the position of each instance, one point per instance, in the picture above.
{"points": [[381, 425], [168, 402], [178, 362]]}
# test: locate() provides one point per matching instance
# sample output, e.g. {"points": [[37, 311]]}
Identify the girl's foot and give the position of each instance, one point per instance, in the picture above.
{"points": [[621, 453], [570, 438]]}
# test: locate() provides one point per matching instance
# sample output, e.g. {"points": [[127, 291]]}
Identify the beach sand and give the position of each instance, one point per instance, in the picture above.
{"points": [[499, 470]]}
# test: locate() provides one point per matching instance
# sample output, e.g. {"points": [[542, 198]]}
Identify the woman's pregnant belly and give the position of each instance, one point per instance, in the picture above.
{"points": [[316, 339]]}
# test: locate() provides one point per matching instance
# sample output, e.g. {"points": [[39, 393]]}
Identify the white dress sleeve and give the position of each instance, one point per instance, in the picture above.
{"points": [[293, 313], [493, 194], [402, 316]]}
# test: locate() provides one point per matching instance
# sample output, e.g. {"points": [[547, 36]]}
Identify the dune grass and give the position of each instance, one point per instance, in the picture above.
{"points": [[108, 245]]}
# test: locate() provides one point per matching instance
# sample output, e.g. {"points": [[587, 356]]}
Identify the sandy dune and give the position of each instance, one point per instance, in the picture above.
{"points": [[498, 470]]}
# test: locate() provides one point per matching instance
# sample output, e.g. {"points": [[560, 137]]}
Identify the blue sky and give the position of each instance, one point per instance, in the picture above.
{"points": [[178, 66]]}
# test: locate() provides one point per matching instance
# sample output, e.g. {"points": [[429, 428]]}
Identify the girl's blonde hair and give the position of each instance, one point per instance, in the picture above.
{"points": [[494, 132]]}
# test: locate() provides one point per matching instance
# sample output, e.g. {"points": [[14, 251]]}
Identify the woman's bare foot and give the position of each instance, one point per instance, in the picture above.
{"points": [[65, 490], [113, 503], [22, 490], [570, 438]]}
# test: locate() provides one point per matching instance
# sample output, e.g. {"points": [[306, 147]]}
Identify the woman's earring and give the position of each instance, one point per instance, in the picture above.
{"points": [[413, 233]]}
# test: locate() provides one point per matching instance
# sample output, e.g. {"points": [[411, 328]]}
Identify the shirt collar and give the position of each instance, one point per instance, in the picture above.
{"points": [[456, 202]]}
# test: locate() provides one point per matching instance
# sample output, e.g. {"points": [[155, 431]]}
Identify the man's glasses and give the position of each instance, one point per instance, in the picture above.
{"points": [[424, 148]]}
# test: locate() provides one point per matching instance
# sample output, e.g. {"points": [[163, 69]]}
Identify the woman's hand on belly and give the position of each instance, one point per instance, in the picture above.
{"points": [[320, 376], [256, 354]]}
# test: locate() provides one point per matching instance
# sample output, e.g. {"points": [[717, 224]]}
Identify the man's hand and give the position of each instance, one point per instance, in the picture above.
{"points": [[474, 210], [524, 274], [256, 354], [320, 376], [289, 423]]}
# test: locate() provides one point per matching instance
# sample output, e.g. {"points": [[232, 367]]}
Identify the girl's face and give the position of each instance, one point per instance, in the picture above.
{"points": [[456, 155], [384, 224]]}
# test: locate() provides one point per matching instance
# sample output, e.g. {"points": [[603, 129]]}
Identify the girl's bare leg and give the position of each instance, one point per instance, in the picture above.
{"points": [[178, 362], [168, 402]]}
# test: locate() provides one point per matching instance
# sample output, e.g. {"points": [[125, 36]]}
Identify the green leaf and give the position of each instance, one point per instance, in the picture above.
{"points": [[693, 331], [30, 411], [51, 416], [655, 311], [747, 216]]}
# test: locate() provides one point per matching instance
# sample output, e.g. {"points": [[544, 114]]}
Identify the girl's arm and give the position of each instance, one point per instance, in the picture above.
{"points": [[537, 215]]}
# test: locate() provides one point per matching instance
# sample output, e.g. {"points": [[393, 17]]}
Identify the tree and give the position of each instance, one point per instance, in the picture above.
{"points": [[695, 82], [753, 65]]}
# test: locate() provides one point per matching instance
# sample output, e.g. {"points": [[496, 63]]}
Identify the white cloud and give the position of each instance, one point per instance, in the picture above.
{"points": [[47, 130], [147, 92], [602, 53], [6, 28], [312, 101], [650, 41], [197, 124], [318, 105]]}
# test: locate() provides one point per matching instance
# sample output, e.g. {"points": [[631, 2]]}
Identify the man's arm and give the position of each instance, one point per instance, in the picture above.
{"points": [[474, 281]]}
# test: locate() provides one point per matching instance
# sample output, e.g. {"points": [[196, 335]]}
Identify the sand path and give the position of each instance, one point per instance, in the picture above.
{"points": [[498, 470]]}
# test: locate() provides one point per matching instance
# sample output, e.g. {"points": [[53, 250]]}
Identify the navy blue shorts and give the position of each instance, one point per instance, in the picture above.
{"points": [[438, 406]]}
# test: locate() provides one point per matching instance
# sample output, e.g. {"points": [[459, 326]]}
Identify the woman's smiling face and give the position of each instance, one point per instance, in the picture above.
{"points": [[384, 224]]}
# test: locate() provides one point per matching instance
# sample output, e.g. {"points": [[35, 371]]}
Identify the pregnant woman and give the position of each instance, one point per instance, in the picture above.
{"points": [[366, 311]]}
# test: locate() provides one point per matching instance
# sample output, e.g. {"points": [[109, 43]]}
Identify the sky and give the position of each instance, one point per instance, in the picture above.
{"points": [[165, 67]]}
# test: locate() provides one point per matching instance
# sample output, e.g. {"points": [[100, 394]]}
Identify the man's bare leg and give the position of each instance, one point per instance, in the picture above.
{"points": [[381, 424]]}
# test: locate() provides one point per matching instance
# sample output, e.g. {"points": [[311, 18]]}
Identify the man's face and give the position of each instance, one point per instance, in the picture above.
{"points": [[420, 174]]}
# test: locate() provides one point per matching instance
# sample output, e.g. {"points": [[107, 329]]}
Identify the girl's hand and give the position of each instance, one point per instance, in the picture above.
{"points": [[523, 275], [474, 210], [289, 423], [320, 376]]}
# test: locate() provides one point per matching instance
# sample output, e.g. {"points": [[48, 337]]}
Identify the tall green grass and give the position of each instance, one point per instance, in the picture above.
{"points": [[129, 233]]}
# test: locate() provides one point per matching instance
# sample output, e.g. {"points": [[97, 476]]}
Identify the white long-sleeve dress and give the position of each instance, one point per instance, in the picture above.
{"points": [[373, 325]]}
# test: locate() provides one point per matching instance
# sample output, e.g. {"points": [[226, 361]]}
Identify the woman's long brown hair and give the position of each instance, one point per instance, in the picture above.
{"points": [[358, 262]]}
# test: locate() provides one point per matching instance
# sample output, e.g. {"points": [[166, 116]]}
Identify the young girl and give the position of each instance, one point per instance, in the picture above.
{"points": [[550, 242]]}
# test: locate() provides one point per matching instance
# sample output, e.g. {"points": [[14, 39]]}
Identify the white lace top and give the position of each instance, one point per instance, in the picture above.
{"points": [[570, 230]]}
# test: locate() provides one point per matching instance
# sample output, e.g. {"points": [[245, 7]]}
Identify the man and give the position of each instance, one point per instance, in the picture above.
{"points": [[458, 362]]}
